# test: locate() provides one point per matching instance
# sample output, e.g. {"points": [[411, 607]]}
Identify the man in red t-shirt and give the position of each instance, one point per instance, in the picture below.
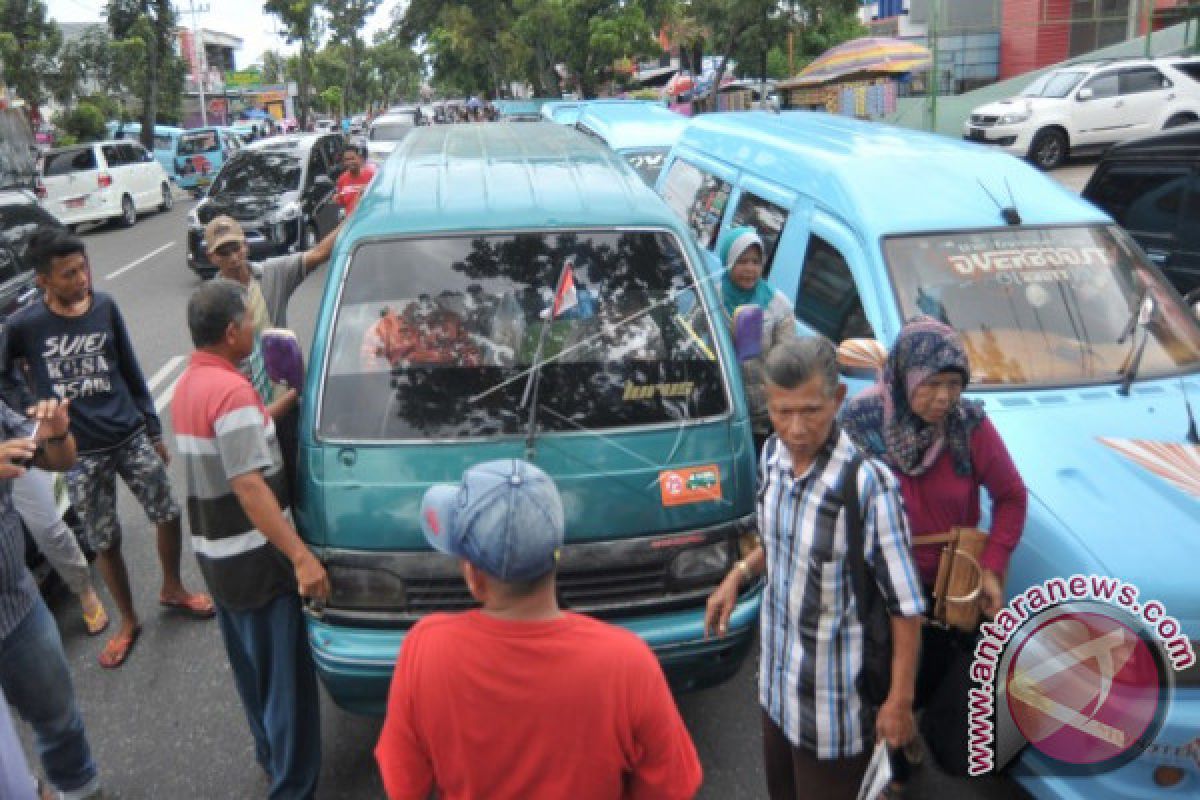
{"points": [[520, 699], [354, 179]]}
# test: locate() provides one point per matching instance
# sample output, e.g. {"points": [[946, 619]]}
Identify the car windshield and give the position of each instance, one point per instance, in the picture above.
{"points": [[1053, 84], [435, 338], [193, 144], [1044, 307], [261, 172], [389, 131], [647, 163]]}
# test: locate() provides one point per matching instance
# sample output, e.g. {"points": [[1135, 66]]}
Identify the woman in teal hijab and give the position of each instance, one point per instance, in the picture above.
{"points": [[741, 252]]}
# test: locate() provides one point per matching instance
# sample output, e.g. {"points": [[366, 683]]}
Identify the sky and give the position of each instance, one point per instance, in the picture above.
{"points": [[243, 18]]}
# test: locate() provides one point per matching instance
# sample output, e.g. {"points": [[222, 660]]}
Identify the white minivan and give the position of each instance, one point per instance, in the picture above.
{"points": [[101, 181]]}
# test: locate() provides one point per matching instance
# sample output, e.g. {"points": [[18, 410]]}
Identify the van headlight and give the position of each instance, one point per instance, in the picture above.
{"points": [[365, 589], [1015, 118], [699, 566], [193, 219]]}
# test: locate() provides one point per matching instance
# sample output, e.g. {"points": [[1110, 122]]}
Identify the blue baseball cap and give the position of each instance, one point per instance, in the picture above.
{"points": [[505, 517]]}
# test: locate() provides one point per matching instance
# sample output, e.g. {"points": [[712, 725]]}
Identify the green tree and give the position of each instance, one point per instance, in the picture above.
{"points": [[29, 43], [300, 24], [274, 67], [144, 32], [83, 123], [346, 19], [395, 69]]}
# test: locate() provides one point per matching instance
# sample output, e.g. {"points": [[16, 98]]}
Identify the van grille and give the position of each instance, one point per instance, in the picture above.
{"points": [[984, 120]]}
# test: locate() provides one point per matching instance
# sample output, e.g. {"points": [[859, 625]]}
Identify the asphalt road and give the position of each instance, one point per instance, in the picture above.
{"points": [[168, 724]]}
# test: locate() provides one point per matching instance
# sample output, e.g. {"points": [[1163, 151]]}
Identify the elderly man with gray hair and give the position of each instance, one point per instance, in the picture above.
{"points": [[816, 724]]}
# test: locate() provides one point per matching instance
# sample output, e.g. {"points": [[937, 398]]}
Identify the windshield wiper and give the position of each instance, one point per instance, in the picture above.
{"points": [[564, 298], [1141, 318]]}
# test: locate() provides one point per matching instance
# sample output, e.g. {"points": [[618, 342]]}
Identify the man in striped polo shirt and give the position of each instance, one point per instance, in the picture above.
{"points": [[252, 559], [815, 723]]}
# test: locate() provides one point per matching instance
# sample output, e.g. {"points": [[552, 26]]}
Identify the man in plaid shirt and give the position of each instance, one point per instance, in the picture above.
{"points": [[816, 734]]}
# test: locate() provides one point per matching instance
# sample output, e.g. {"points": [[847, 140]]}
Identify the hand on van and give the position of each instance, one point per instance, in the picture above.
{"points": [[311, 579], [284, 403], [720, 605]]}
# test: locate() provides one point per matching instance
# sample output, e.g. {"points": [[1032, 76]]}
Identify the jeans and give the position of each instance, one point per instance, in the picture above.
{"points": [[277, 682], [34, 677]]}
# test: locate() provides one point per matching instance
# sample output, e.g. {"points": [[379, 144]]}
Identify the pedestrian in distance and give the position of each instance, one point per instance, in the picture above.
{"points": [[76, 347], [354, 179], [817, 726], [33, 667], [269, 286], [519, 699], [943, 450], [252, 559], [742, 252]]}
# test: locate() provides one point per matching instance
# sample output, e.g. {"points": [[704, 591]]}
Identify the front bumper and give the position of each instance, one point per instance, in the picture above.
{"points": [[1013, 139], [356, 664]]}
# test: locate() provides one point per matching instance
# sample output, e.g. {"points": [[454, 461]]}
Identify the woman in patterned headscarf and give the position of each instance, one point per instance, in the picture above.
{"points": [[942, 449]]}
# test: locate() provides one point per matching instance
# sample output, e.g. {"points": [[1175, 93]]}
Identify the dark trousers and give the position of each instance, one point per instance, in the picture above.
{"points": [[273, 669], [943, 683], [796, 774]]}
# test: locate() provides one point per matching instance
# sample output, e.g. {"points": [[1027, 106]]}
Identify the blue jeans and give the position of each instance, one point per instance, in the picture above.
{"points": [[273, 669], [34, 676]]}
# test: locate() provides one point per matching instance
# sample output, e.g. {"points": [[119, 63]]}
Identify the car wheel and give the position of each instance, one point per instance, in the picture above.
{"points": [[168, 198], [128, 212], [1179, 119], [310, 238], [1049, 149]]}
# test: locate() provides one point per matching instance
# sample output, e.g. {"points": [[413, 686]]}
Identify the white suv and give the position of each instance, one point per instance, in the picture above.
{"points": [[1087, 107], [102, 181]]}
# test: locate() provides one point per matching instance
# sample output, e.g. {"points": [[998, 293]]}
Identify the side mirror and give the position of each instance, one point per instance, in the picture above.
{"points": [[747, 332], [861, 358], [1085, 94]]}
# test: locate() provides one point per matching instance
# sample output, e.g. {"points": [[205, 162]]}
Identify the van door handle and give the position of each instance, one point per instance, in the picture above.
{"points": [[348, 456]]}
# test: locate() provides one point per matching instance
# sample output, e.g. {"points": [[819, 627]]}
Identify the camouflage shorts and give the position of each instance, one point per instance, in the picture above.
{"points": [[92, 483]]}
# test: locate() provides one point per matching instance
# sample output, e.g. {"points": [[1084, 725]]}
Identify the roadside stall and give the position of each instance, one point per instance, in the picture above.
{"points": [[860, 78]]}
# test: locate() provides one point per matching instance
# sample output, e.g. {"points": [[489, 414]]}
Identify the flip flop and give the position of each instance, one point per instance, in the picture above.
{"points": [[96, 620], [117, 649], [197, 606]]}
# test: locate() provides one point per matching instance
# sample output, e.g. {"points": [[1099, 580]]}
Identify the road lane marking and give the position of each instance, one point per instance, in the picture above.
{"points": [[141, 260], [162, 374], [164, 399]]}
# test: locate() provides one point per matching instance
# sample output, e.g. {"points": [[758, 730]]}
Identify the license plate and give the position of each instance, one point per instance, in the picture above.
{"points": [[74, 202], [976, 134]]}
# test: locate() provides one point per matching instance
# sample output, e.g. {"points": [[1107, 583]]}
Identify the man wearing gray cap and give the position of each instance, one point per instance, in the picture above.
{"points": [[520, 699]]}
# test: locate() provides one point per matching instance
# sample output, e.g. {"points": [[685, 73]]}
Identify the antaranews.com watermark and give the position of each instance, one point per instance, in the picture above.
{"points": [[1059, 653]]}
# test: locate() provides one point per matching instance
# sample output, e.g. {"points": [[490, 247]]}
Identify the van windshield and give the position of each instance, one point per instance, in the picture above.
{"points": [[647, 163], [259, 172], [435, 338], [1040, 307], [193, 144]]}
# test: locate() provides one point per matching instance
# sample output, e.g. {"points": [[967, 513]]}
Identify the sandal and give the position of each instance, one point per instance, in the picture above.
{"points": [[95, 617], [197, 606], [117, 649]]}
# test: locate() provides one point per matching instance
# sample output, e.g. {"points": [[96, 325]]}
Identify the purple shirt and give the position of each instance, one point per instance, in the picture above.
{"points": [[941, 499]]}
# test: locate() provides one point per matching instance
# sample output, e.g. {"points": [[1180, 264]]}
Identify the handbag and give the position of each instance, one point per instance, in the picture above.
{"points": [[959, 579], [875, 678]]}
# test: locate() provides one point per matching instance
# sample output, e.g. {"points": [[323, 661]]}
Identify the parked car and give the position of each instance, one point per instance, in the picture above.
{"points": [[166, 142], [325, 126], [201, 153], [1042, 287], [641, 133], [427, 333], [104, 181], [388, 130], [1151, 186], [280, 189], [1087, 107]]}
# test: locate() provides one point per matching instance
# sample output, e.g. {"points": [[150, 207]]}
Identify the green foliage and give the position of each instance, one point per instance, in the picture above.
{"points": [[29, 43], [274, 67], [331, 99], [84, 122]]}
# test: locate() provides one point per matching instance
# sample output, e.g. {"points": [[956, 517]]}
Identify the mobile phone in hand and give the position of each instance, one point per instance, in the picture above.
{"points": [[28, 462]]}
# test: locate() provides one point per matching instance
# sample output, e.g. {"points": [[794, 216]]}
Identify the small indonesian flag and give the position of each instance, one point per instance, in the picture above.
{"points": [[565, 297]]}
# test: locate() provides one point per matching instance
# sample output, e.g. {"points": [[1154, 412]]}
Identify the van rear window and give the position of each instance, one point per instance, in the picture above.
{"points": [[65, 162], [440, 338]]}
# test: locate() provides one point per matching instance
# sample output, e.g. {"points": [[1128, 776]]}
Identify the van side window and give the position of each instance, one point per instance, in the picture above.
{"points": [[766, 218], [699, 199], [1142, 79], [828, 300], [1141, 200]]}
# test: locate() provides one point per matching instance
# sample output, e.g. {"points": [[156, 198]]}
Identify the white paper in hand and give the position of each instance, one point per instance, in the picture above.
{"points": [[878, 775]]}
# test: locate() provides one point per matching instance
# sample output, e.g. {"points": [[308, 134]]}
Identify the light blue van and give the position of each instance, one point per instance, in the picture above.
{"points": [[641, 133], [201, 153], [166, 142], [1086, 378], [425, 360]]}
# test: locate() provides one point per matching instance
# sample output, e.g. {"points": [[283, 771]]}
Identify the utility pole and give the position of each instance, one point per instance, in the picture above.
{"points": [[933, 67], [198, 43]]}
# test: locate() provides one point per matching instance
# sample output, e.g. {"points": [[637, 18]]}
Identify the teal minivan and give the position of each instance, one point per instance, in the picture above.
{"points": [[517, 291], [1084, 357]]}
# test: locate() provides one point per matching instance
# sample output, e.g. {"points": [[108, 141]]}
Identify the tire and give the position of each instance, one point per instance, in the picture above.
{"points": [[310, 238], [1049, 149], [1179, 119], [128, 216], [168, 198]]}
